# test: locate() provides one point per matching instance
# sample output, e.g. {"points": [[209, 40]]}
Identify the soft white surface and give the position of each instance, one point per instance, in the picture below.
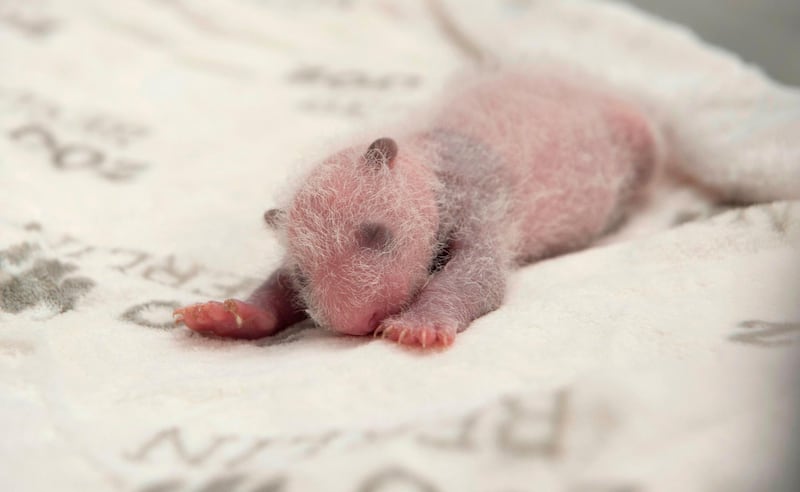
{"points": [[660, 360]]}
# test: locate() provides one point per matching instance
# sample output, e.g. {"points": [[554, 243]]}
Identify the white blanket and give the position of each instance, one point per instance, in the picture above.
{"points": [[141, 142]]}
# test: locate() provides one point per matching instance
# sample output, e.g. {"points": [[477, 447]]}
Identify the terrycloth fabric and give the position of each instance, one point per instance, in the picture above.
{"points": [[140, 144]]}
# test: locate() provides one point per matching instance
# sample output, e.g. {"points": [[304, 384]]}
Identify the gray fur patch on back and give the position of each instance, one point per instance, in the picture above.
{"points": [[462, 153], [468, 169]]}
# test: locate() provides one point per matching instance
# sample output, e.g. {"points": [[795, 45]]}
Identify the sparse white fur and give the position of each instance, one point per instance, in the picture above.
{"points": [[511, 166]]}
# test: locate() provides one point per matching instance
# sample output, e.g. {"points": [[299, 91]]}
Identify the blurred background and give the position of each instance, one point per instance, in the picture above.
{"points": [[764, 32]]}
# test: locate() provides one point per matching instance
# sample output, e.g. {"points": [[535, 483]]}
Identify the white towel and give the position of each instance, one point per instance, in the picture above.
{"points": [[140, 144]]}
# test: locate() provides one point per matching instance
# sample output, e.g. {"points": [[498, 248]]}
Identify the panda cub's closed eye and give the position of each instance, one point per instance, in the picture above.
{"points": [[374, 235]]}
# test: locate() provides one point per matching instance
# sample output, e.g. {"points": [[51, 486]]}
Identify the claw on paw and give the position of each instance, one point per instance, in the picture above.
{"points": [[424, 335], [232, 318]]}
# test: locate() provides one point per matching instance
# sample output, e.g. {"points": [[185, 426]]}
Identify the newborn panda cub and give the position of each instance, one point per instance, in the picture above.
{"points": [[412, 236]]}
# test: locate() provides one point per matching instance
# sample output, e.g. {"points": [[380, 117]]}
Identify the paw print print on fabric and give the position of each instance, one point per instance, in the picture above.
{"points": [[27, 281]]}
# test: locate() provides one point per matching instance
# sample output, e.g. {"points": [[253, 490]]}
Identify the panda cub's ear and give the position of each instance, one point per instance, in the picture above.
{"points": [[275, 218], [381, 152]]}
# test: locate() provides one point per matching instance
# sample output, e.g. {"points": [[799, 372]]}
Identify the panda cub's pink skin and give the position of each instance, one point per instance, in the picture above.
{"points": [[412, 235]]}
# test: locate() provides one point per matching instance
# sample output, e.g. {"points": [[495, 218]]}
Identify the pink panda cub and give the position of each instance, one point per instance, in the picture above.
{"points": [[412, 236]]}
